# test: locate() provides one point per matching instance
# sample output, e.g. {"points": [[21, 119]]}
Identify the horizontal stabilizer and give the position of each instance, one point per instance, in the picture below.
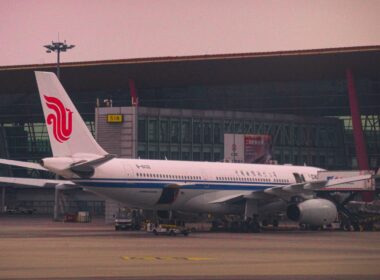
{"points": [[31, 165], [83, 168], [30, 182]]}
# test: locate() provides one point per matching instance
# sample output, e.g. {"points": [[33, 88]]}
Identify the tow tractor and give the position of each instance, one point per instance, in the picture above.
{"points": [[168, 229]]}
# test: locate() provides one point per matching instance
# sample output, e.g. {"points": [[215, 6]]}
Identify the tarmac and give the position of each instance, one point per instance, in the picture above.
{"points": [[38, 248]]}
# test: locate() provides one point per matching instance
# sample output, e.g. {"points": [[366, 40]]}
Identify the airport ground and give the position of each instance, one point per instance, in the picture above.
{"points": [[37, 248]]}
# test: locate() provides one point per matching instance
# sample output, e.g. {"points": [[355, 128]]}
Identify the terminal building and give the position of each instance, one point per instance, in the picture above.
{"points": [[180, 108]]}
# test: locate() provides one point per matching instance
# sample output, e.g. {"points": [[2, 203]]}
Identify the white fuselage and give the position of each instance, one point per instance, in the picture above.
{"points": [[189, 186]]}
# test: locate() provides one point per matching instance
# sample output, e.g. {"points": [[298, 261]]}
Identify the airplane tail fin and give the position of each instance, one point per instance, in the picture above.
{"points": [[68, 133]]}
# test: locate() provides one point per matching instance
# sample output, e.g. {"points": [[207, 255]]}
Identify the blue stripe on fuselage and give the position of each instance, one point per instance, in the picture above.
{"points": [[159, 184]]}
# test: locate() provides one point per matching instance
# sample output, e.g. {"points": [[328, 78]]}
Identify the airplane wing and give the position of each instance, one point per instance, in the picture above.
{"points": [[229, 198], [30, 182], [31, 165]]}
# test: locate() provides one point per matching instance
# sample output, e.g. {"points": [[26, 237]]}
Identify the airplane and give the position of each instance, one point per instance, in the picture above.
{"points": [[249, 190]]}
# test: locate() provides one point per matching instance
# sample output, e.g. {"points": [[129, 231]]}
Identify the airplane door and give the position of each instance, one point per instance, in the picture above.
{"points": [[299, 178]]}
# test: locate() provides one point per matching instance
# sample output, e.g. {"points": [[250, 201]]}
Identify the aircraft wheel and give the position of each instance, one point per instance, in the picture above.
{"points": [[275, 223]]}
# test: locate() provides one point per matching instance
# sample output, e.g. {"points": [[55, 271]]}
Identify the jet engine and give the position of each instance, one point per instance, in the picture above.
{"points": [[314, 212]]}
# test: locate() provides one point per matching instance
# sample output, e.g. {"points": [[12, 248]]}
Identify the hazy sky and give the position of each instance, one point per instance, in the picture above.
{"points": [[151, 28]]}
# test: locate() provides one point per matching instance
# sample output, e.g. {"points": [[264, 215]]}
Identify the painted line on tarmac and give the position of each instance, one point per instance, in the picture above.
{"points": [[165, 258]]}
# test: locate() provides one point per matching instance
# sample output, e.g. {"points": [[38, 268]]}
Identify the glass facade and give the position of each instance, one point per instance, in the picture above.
{"points": [[26, 142], [371, 129], [199, 139]]}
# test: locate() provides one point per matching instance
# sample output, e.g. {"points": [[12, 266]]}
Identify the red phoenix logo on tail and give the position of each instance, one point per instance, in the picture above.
{"points": [[61, 119]]}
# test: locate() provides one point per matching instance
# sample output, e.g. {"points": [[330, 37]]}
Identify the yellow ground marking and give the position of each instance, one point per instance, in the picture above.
{"points": [[165, 258]]}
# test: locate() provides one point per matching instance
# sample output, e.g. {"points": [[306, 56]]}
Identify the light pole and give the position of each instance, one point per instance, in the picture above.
{"points": [[58, 47]]}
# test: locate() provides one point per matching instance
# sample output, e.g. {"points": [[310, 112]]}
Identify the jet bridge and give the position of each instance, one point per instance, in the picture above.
{"points": [[345, 194]]}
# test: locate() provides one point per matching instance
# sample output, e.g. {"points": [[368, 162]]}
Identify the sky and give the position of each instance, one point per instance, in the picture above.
{"points": [[105, 29]]}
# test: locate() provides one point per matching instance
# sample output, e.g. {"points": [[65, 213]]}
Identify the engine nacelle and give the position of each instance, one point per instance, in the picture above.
{"points": [[314, 212]]}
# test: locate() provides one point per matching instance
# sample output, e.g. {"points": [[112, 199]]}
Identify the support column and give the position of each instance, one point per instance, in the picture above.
{"points": [[132, 88], [360, 145], [2, 205], [56, 201]]}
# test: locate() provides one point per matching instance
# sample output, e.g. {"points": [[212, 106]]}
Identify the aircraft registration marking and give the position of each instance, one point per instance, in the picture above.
{"points": [[165, 258]]}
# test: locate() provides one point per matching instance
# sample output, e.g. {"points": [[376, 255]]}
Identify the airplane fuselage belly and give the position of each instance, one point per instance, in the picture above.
{"points": [[187, 200]]}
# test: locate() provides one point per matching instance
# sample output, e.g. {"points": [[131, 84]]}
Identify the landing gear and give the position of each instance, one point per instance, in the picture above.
{"points": [[255, 226], [251, 222]]}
